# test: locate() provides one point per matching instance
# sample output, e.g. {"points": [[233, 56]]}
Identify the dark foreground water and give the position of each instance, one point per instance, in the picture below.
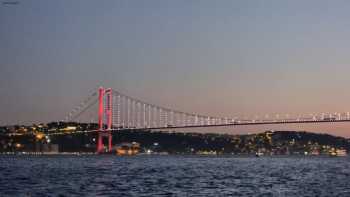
{"points": [[173, 176]]}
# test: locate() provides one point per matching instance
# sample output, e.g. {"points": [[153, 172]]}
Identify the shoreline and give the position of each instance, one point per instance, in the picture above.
{"points": [[155, 154]]}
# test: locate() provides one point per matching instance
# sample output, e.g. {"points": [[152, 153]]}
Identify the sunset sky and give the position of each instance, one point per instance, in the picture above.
{"points": [[220, 58]]}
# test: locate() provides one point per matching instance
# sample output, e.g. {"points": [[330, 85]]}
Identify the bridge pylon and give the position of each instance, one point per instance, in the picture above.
{"points": [[105, 110]]}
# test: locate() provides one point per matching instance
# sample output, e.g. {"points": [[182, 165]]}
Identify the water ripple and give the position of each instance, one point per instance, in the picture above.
{"points": [[173, 176]]}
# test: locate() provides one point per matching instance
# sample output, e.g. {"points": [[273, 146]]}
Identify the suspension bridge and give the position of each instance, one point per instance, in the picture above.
{"points": [[117, 111]]}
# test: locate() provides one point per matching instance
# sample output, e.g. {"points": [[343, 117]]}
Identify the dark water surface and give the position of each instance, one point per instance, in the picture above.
{"points": [[173, 176]]}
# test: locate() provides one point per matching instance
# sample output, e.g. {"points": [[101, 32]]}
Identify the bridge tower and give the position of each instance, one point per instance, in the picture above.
{"points": [[105, 111]]}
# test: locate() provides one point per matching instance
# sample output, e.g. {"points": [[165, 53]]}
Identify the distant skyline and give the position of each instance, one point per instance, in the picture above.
{"points": [[220, 58]]}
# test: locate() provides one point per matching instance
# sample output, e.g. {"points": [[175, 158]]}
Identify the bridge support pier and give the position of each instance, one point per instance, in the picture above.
{"points": [[104, 113], [100, 144]]}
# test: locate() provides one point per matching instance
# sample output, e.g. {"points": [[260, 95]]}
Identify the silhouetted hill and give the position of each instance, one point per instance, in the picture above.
{"points": [[277, 142]]}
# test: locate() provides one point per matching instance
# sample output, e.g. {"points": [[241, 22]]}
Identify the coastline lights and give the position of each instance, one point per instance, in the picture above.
{"points": [[39, 136]]}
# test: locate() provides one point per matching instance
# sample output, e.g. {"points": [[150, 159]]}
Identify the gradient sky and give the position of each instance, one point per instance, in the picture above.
{"points": [[221, 58]]}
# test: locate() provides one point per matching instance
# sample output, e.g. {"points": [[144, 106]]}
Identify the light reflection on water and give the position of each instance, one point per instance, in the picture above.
{"points": [[173, 176]]}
